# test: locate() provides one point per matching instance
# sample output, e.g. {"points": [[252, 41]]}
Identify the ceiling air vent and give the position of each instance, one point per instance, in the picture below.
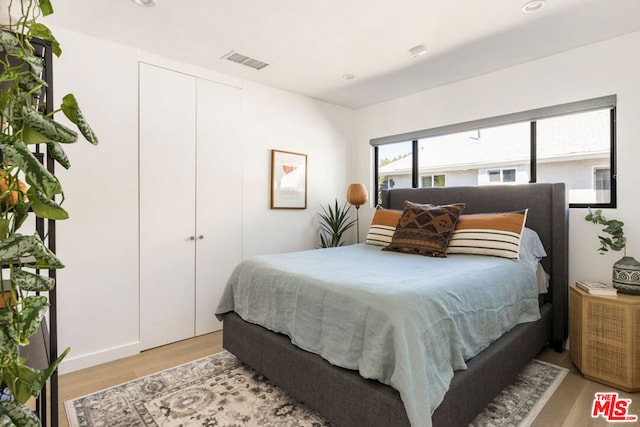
{"points": [[244, 60]]}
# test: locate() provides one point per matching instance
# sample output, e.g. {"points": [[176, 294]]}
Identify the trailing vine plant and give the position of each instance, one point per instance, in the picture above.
{"points": [[27, 188]]}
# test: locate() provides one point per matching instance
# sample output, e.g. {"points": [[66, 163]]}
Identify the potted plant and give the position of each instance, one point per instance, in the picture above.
{"points": [[334, 221], [626, 271], [27, 188]]}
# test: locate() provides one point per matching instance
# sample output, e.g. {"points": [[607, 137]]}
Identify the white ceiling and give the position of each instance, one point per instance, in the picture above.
{"points": [[310, 44]]}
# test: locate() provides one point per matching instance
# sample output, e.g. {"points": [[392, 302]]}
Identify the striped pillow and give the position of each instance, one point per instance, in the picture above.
{"points": [[382, 227], [494, 234]]}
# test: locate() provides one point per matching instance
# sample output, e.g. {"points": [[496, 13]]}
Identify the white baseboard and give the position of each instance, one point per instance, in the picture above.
{"points": [[73, 363]]}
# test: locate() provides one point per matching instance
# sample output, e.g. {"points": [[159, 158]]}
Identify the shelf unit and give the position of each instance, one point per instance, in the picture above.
{"points": [[43, 345]]}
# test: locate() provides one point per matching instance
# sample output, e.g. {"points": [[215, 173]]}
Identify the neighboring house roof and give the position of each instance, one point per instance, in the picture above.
{"points": [[558, 139]]}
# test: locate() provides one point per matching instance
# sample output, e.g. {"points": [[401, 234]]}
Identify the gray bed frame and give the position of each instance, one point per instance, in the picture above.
{"points": [[346, 399]]}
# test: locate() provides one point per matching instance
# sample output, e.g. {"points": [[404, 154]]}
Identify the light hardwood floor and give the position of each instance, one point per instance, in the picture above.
{"points": [[570, 405]]}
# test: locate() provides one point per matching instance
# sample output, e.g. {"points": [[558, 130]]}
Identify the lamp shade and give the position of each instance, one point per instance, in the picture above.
{"points": [[357, 194]]}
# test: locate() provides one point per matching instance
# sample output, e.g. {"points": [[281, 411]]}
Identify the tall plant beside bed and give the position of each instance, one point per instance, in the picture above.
{"points": [[27, 188], [334, 221]]}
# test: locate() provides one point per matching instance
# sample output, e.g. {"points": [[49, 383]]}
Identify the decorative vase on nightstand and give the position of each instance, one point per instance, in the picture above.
{"points": [[626, 275]]}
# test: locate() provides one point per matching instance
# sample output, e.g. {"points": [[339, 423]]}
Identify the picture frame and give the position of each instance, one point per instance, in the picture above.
{"points": [[288, 180]]}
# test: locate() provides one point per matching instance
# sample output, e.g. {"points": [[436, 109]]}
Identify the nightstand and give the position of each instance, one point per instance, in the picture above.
{"points": [[604, 333]]}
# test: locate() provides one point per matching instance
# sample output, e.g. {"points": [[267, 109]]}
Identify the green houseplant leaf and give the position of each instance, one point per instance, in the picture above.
{"points": [[31, 136], [8, 40], [32, 282], [334, 222], [31, 84], [45, 7], [48, 127], [36, 64], [13, 414], [25, 382], [616, 241], [36, 174], [57, 153], [45, 207], [9, 348], [34, 307], [17, 246], [72, 111], [41, 31]]}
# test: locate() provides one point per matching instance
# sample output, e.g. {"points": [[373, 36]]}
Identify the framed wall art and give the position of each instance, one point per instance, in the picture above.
{"points": [[288, 180]]}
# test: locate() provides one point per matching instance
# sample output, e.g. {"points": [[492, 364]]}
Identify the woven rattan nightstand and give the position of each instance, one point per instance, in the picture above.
{"points": [[604, 334]]}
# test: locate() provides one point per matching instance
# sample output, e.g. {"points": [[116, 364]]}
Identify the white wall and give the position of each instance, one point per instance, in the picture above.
{"points": [[279, 120], [98, 288], [610, 67], [98, 291]]}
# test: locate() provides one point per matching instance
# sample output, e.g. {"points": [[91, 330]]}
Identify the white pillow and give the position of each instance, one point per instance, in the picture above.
{"points": [[531, 248]]}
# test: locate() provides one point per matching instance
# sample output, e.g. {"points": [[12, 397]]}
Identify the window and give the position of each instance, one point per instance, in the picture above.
{"points": [[572, 143], [602, 183], [466, 156], [494, 176], [573, 149], [508, 175], [393, 166], [433, 181], [501, 176]]}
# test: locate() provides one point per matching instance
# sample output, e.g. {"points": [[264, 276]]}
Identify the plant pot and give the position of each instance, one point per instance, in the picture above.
{"points": [[626, 275]]}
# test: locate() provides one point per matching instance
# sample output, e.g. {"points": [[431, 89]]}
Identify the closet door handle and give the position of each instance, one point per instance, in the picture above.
{"points": [[192, 237], [200, 237]]}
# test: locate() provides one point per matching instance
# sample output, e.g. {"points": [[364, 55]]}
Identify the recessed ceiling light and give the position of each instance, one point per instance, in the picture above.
{"points": [[348, 76], [145, 3], [533, 5], [417, 51]]}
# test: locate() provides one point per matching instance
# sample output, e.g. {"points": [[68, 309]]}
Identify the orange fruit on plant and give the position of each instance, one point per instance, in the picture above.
{"points": [[10, 199]]}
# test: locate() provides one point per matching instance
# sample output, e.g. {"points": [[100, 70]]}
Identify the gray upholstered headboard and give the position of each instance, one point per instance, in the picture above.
{"points": [[547, 215]]}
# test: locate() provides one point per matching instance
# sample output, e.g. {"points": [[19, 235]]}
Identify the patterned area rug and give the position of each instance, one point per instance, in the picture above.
{"points": [[219, 390], [519, 403]]}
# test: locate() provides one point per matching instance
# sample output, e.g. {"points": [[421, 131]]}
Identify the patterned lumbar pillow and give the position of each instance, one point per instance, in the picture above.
{"points": [[494, 234], [425, 229], [382, 227]]}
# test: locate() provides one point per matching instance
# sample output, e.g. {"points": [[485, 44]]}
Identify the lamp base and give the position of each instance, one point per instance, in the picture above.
{"points": [[357, 224]]}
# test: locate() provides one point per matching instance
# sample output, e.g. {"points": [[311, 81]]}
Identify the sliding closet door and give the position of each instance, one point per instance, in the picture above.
{"points": [[219, 198], [167, 205]]}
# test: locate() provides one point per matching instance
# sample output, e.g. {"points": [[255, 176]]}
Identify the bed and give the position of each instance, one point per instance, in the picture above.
{"points": [[345, 398]]}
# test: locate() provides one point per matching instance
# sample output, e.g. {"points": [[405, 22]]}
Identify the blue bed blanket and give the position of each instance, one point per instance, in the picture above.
{"points": [[408, 321]]}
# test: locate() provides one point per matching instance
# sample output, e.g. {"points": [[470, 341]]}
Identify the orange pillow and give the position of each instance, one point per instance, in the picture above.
{"points": [[382, 227]]}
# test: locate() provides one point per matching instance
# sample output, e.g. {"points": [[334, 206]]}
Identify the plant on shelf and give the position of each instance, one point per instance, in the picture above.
{"points": [[334, 221], [613, 227], [27, 188]]}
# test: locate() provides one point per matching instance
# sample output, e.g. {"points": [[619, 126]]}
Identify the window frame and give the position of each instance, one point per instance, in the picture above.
{"points": [[433, 176], [500, 172], [531, 116]]}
